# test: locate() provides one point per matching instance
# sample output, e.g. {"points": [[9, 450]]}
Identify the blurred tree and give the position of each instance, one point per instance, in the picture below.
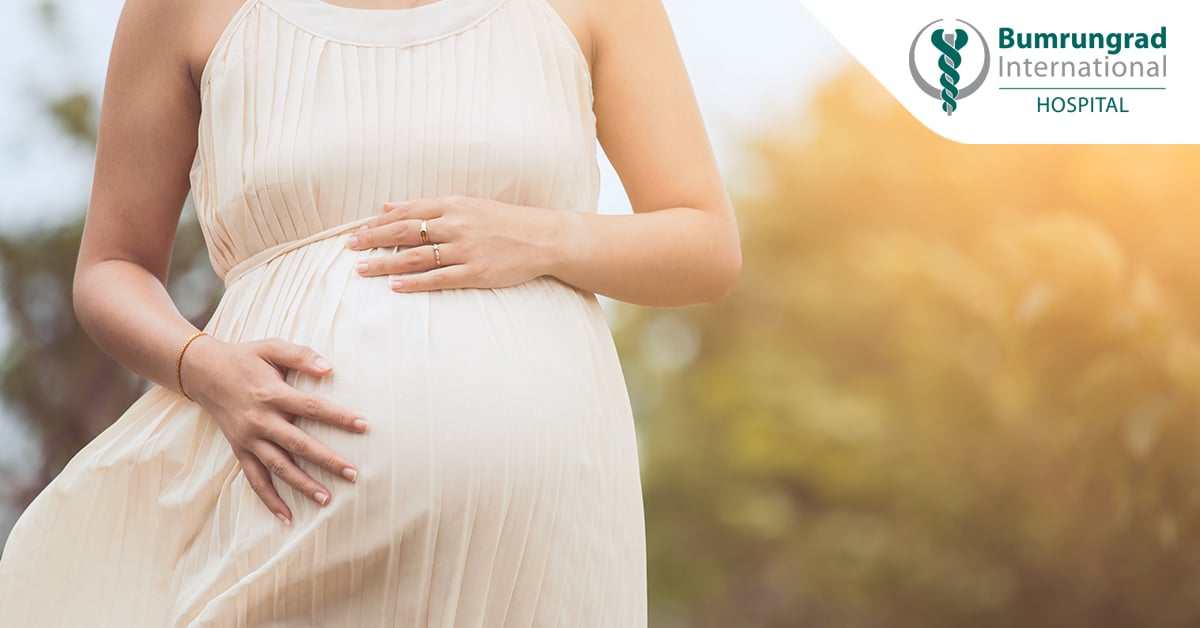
{"points": [[52, 376], [957, 386]]}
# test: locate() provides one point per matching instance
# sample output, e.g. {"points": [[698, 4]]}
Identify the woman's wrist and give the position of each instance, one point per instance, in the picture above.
{"points": [[560, 241], [194, 363]]}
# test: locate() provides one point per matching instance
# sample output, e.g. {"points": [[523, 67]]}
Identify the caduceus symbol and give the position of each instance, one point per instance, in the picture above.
{"points": [[949, 45]]}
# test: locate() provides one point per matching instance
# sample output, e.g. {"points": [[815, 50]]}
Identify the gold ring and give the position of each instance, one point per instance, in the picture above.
{"points": [[437, 256], [424, 232]]}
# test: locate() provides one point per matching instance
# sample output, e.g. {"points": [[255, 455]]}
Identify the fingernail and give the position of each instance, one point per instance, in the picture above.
{"points": [[322, 364], [322, 497], [349, 473], [360, 424], [283, 518], [397, 283], [361, 267], [352, 241]]}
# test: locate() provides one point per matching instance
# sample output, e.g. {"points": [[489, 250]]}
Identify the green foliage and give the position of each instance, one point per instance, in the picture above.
{"points": [[957, 386], [52, 376], [74, 115]]}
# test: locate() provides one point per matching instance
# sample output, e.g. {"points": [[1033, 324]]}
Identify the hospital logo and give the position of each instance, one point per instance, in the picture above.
{"points": [[949, 60]]}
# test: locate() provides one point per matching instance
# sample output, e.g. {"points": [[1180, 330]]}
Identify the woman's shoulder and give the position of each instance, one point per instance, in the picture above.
{"points": [[201, 23], [598, 24]]}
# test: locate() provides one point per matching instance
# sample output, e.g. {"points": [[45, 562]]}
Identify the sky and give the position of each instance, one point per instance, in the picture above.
{"points": [[751, 62]]}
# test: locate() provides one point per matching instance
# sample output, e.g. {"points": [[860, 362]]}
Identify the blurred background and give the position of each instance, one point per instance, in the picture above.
{"points": [[956, 386]]}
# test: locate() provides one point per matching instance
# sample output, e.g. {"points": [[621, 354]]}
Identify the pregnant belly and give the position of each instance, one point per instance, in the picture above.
{"points": [[501, 452], [461, 387]]}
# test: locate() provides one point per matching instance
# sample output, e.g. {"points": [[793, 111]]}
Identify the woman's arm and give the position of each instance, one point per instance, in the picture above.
{"points": [[681, 244], [679, 247], [147, 140]]}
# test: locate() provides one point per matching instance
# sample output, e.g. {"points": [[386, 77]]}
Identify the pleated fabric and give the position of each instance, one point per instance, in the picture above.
{"points": [[498, 484]]}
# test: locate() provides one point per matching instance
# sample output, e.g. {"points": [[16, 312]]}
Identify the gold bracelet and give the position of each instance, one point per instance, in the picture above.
{"points": [[179, 364]]}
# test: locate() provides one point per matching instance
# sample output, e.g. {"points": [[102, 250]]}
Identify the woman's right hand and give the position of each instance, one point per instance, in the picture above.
{"points": [[242, 386]]}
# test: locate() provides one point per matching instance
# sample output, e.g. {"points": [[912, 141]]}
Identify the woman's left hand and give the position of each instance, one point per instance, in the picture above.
{"points": [[470, 243]]}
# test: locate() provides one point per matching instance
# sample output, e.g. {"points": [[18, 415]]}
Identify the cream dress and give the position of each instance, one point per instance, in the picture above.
{"points": [[498, 484]]}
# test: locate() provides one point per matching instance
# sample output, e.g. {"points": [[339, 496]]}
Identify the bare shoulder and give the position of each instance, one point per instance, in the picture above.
{"points": [[153, 35], [179, 34], [205, 22], [611, 21]]}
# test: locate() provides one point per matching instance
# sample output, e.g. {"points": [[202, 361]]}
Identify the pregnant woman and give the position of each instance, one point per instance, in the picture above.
{"points": [[407, 409]]}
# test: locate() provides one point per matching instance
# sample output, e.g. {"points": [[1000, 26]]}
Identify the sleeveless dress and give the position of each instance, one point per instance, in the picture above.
{"points": [[498, 483]]}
